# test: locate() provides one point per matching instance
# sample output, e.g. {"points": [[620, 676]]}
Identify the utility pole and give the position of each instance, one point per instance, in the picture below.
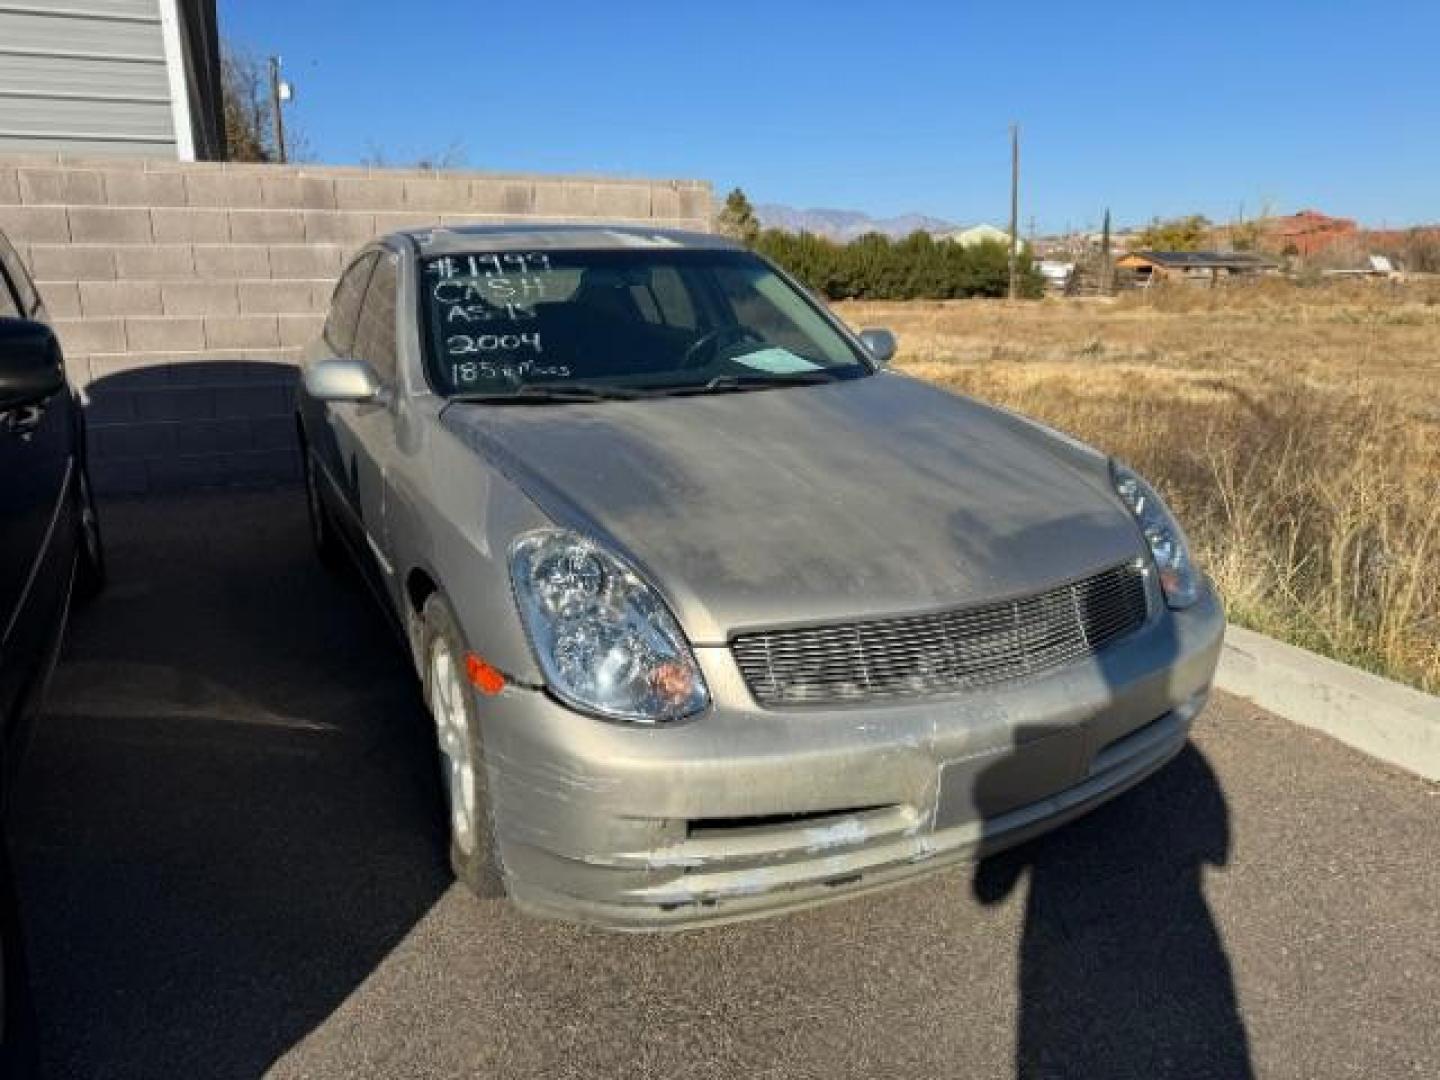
{"points": [[1014, 211], [279, 91], [1107, 275]]}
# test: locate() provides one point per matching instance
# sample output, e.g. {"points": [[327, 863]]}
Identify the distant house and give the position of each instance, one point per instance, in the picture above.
{"points": [[978, 234], [1194, 267], [131, 77]]}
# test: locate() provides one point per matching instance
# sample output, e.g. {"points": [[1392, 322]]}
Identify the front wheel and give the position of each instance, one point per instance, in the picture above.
{"points": [[462, 767]]}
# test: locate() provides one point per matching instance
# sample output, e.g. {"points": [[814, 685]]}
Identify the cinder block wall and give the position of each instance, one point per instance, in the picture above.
{"points": [[183, 292]]}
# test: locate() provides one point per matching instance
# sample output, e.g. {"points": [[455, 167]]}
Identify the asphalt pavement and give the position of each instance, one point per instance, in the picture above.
{"points": [[230, 864]]}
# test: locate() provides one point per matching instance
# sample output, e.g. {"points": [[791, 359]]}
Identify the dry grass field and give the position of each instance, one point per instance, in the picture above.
{"points": [[1295, 431]]}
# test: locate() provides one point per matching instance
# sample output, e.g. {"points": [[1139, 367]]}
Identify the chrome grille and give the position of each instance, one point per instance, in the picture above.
{"points": [[953, 650]]}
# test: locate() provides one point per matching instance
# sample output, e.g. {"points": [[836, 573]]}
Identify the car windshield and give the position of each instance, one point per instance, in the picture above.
{"points": [[528, 325]]}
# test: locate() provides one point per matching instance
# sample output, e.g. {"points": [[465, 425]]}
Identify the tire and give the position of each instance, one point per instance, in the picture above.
{"points": [[322, 529], [90, 556], [463, 778]]}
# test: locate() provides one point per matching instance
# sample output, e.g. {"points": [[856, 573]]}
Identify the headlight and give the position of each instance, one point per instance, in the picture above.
{"points": [[1168, 546], [604, 639]]}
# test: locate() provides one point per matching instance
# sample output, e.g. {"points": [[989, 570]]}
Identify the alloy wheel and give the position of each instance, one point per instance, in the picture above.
{"points": [[457, 756]]}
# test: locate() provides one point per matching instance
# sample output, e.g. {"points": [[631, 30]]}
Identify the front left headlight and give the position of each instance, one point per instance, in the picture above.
{"points": [[605, 641], [1169, 548]]}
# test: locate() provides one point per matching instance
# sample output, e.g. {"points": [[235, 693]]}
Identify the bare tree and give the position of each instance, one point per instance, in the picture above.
{"points": [[1420, 252], [453, 156], [249, 121], [246, 100]]}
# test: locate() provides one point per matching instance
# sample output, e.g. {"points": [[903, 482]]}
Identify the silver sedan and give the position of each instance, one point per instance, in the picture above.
{"points": [[716, 615]]}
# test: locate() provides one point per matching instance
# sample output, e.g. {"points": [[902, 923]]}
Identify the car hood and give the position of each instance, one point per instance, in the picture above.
{"points": [[869, 497]]}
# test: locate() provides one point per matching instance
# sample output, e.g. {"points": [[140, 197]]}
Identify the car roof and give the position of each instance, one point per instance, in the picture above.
{"points": [[448, 239]]}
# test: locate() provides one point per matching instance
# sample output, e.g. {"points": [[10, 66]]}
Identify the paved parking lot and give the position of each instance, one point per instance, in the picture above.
{"points": [[230, 863]]}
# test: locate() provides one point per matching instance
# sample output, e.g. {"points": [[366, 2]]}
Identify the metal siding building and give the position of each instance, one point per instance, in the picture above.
{"points": [[138, 78]]}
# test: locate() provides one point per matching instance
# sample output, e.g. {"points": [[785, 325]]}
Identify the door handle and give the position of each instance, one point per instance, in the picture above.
{"points": [[24, 420]]}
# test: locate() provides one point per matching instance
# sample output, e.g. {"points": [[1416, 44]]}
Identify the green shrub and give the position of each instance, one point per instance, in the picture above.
{"points": [[919, 267]]}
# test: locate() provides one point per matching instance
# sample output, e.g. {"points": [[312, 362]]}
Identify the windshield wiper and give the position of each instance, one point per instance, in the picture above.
{"points": [[732, 384], [543, 393], [551, 393]]}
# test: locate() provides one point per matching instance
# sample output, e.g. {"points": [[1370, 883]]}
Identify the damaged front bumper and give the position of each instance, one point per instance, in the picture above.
{"points": [[744, 811]]}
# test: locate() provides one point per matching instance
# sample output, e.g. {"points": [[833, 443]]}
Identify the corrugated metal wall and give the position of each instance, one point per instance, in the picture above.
{"points": [[85, 76]]}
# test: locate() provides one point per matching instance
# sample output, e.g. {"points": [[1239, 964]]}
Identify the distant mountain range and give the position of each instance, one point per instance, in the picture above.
{"points": [[846, 224]]}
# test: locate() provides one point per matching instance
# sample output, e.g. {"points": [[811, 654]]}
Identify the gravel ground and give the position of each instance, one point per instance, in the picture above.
{"points": [[230, 864]]}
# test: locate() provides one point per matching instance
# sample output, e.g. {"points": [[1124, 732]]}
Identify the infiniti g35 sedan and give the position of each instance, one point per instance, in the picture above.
{"points": [[716, 615]]}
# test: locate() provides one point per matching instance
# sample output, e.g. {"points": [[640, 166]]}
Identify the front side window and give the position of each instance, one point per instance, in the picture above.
{"points": [[499, 322]]}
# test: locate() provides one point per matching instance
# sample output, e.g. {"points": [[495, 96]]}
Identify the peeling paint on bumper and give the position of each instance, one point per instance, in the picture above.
{"points": [[745, 811]]}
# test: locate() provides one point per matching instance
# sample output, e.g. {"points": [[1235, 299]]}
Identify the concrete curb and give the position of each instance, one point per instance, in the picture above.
{"points": [[1378, 717]]}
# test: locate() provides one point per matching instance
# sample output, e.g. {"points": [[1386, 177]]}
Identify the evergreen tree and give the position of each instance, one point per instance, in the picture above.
{"points": [[919, 267], [737, 219]]}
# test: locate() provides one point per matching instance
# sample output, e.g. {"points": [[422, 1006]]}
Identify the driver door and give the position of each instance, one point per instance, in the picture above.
{"points": [[331, 429], [372, 424]]}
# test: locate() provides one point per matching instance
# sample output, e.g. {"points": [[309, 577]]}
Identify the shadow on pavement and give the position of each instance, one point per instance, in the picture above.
{"points": [[1121, 969], [230, 812]]}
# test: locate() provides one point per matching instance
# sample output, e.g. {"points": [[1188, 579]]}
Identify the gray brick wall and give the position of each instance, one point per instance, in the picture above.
{"points": [[184, 292]]}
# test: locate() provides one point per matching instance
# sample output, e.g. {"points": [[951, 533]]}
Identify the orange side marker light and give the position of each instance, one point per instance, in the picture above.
{"points": [[485, 678]]}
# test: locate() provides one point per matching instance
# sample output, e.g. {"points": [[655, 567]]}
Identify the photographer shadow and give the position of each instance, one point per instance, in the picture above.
{"points": [[1122, 971]]}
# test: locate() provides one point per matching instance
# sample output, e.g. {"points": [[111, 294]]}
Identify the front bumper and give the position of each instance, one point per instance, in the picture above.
{"points": [[744, 811]]}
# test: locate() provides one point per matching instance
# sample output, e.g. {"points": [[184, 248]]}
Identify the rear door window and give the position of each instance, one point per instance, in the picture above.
{"points": [[375, 333], [345, 305]]}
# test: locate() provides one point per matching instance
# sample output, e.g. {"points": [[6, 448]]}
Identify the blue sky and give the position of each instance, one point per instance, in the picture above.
{"points": [[1155, 108]]}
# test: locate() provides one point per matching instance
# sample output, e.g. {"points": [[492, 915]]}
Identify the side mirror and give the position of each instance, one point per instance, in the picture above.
{"points": [[343, 380], [881, 345], [31, 367]]}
